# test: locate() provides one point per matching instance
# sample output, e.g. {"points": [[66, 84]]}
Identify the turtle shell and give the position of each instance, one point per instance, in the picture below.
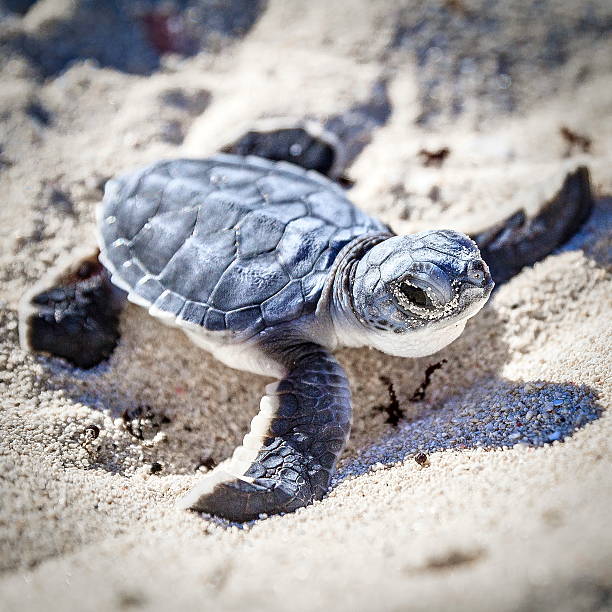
{"points": [[227, 243]]}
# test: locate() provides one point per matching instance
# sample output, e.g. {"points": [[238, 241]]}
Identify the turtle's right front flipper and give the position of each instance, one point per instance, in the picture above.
{"points": [[287, 459], [73, 313], [518, 241]]}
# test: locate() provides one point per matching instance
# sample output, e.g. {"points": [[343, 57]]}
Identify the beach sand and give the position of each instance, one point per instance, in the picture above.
{"points": [[511, 508]]}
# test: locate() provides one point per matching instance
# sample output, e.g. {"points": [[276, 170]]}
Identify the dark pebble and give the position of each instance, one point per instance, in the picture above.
{"points": [[421, 458], [92, 432]]}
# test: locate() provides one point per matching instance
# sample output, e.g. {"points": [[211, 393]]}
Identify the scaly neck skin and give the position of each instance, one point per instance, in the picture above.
{"points": [[338, 293]]}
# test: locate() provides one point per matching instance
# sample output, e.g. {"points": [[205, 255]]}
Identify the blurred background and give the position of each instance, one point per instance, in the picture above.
{"points": [[503, 92]]}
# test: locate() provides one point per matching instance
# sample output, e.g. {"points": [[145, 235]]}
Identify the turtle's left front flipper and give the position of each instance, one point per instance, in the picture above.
{"points": [[519, 241], [289, 456], [73, 313]]}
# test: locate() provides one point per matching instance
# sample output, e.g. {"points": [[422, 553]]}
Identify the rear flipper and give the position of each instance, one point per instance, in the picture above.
{"points": [[288, 458], [73, 313], [517, 241]]}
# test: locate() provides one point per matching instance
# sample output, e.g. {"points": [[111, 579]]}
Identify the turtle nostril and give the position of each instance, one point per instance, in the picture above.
{"points": [[478, 273]]}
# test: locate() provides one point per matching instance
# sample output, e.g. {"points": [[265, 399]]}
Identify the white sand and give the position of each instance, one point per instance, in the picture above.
{"points": [[512, 509]]}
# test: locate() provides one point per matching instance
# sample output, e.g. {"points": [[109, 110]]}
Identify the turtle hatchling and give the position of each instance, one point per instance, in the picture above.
{"points": [[270, 268]]}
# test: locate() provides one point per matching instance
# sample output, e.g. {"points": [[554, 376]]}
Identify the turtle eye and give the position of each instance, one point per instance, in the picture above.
{"points": [[416, 296]]}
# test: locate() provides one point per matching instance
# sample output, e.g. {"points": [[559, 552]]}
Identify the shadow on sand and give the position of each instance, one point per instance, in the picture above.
{"points": [[467, 405]]}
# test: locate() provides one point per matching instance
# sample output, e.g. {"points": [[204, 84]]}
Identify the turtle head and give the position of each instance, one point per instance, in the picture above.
{"points": [[412, 295]]}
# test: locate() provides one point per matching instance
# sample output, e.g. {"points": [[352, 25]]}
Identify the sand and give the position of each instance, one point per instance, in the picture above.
{"points": [[510, 509]]}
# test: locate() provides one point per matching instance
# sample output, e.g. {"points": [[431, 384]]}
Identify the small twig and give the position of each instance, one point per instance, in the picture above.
{"points": [[208, 462], [575, 140], [392, 409], [434, 158], [419, 394]]}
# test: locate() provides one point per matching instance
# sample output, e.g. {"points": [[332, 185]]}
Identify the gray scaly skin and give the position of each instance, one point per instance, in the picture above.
{"points": [[288, 458], [271, 268]]}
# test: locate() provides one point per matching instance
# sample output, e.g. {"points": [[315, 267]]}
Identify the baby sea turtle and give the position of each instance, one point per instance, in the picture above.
{"points": [[270, 268]]}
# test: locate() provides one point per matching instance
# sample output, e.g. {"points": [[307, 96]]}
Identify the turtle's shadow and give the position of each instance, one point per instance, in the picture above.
{"points": [[467, 403], [157, 382], [531, 413]]}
